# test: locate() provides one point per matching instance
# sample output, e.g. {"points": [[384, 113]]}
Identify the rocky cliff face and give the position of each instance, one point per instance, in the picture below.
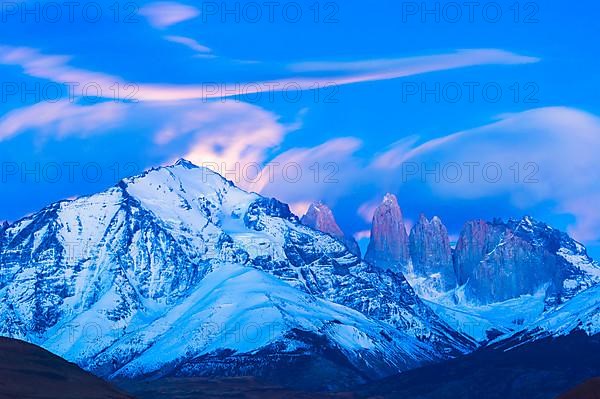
{"points": [[431, 254], [477, 239], [513, 268], [494, 261], [320, 217], [499, 261], [388, 247]]}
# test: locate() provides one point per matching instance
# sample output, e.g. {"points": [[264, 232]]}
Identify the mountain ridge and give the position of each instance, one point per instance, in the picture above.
{"points": [[103, 279]]}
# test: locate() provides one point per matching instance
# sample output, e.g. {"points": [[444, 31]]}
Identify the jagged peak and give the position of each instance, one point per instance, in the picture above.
{"points": [[390, 199], [320, 217], [185, 163], [318, 206]]}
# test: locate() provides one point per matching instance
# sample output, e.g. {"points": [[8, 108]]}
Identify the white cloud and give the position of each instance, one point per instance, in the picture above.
{"points": [[189, 42], [224, 134], [234, 137], [387, 68], [324, 172], [60, 119], [57, 68], [300, 208], [362, 235], [166, 13]]}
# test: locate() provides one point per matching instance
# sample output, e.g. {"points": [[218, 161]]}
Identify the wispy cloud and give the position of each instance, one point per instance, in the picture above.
{"points": [[367, 209], [189, 42], [60, 119], [57, 68], [398, 67], [323, 172], [300, 208], [166, 13], [226, 135], [404, 68]]}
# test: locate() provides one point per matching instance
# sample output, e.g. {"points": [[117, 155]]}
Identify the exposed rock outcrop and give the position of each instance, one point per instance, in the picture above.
{"points": [[388, 248], [431, 253], [499, 261], [477, 239], [320, 217]]}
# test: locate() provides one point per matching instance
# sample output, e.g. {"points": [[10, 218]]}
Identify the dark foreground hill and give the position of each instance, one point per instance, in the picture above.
{"points": [[540, 370], [28, 371], [588, 390], [207, 388]]}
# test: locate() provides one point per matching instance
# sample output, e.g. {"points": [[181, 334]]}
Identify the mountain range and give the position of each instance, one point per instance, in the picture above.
{"points": [[178, 273]]}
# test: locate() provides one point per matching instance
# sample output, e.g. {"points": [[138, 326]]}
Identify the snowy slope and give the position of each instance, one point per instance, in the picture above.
{"points": [[485, 322], [114, 281], [236, 309], [580, 314]]}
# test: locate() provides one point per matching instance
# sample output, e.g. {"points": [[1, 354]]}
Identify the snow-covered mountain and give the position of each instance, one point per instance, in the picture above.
{"points": [[179, 272]]}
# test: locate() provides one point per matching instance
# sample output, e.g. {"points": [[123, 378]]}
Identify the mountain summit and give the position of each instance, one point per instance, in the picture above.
{"points": [[320, 217], [388, 247]]}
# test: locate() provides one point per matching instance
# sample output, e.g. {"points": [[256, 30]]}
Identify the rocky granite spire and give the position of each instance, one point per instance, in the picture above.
{"points": [[320, 217], [388, 248], [431, 253]]}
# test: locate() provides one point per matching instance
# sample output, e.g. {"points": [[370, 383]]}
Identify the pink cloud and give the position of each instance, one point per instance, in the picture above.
{"points": [[189, 42], [166, 13], [385, 68], [367, 210], [300, 208], [323, 172], [362, 235], [57, 68], [60, 118]]}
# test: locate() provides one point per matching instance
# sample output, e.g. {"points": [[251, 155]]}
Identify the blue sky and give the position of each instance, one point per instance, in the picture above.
{"points": [[403, 88]]}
